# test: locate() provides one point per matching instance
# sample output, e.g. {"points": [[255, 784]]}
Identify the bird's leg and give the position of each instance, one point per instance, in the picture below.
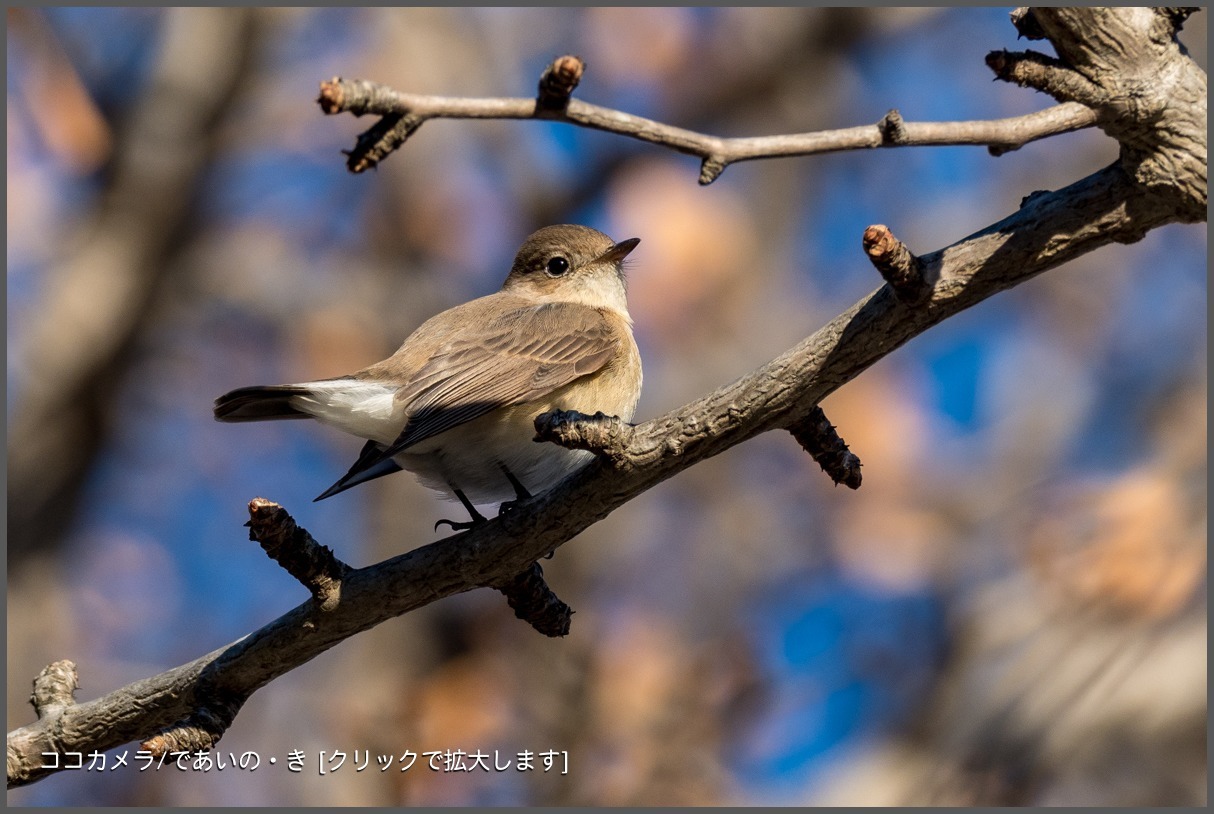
{"points": [[476, 517], [521, 494], [520, 491]]}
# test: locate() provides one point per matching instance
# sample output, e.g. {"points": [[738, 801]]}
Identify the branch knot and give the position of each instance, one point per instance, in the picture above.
{"points": [[893, 129], [604, 435], [55, 688], [1026, 24], [558, 82], [901, 269], [711, 169]]}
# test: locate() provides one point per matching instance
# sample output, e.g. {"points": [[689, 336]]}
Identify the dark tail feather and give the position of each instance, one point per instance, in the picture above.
{"points": [[265, 403]]}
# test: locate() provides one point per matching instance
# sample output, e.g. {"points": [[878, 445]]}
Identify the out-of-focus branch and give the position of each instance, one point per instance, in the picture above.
{"points": [[361, 97], [107, 278]]}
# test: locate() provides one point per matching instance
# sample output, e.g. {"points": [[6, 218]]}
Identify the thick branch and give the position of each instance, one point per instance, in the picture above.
{"points": [[1048, 230], [361, 97], [1126, 64]]}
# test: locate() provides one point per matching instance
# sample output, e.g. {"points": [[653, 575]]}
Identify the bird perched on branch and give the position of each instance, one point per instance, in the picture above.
{"points": [[456, 403]]}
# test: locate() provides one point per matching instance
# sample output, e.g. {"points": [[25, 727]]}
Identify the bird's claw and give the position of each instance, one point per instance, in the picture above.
{"points": [[457, 525]]}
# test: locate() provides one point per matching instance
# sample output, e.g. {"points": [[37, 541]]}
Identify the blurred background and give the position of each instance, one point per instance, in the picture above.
{"points": [[1011, 610]]}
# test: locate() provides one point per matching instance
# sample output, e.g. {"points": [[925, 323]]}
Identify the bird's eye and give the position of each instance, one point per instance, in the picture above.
{"points": [[557, 266]]}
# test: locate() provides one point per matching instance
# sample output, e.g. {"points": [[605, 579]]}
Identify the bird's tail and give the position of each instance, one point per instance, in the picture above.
{"points": [[262, 403]]}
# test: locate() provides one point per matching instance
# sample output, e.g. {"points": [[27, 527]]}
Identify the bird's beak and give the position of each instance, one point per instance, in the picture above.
{"points": [[619, 251]]}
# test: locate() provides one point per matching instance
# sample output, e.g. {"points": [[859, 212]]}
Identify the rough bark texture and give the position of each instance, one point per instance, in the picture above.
{"points": [[1147, 94]]}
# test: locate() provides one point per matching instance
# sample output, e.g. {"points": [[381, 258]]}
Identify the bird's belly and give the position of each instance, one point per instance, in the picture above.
{"points": [[474, 458]]}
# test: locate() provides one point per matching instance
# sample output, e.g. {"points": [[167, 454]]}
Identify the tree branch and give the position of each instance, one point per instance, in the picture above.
{"points": [[817, 436], [196, 701], [534, 602], [1047, 231], [361, 97], [1126, 64], [901, 269]]}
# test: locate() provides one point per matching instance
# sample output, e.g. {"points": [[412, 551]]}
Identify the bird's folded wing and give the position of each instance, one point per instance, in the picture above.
{"points": [[515, 358], [371, 464]]}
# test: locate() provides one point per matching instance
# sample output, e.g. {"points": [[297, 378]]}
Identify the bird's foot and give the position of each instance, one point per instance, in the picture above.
{"points": [[460, 525], [475, 517]]}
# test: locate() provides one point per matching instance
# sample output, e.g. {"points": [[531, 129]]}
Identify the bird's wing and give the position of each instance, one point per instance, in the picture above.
{"points": [[371, 464], [517, 357]]}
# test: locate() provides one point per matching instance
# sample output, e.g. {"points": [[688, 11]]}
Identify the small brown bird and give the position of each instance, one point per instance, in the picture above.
{"points": [[456, 403]]}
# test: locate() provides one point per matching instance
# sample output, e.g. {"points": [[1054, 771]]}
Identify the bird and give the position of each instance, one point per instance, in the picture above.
{"points": [[456, 403]]}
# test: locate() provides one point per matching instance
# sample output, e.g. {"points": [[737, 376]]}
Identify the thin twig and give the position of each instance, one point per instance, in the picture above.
{"points": [[535, 603], [361, 97], [898, 266], [818, 437]]}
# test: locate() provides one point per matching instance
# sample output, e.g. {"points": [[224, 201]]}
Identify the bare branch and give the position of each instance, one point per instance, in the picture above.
{"points": [[361, 97], [1121, 203], [55, 688], [1046, 232], [901, 269], [1030, 69], [604, 435], [197, 733], [1176, 16], [1126, 64], [104, 285], [558, 82], [817, 436], [1026, 24], [534, 602], [384, 137], [293, 548]]}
